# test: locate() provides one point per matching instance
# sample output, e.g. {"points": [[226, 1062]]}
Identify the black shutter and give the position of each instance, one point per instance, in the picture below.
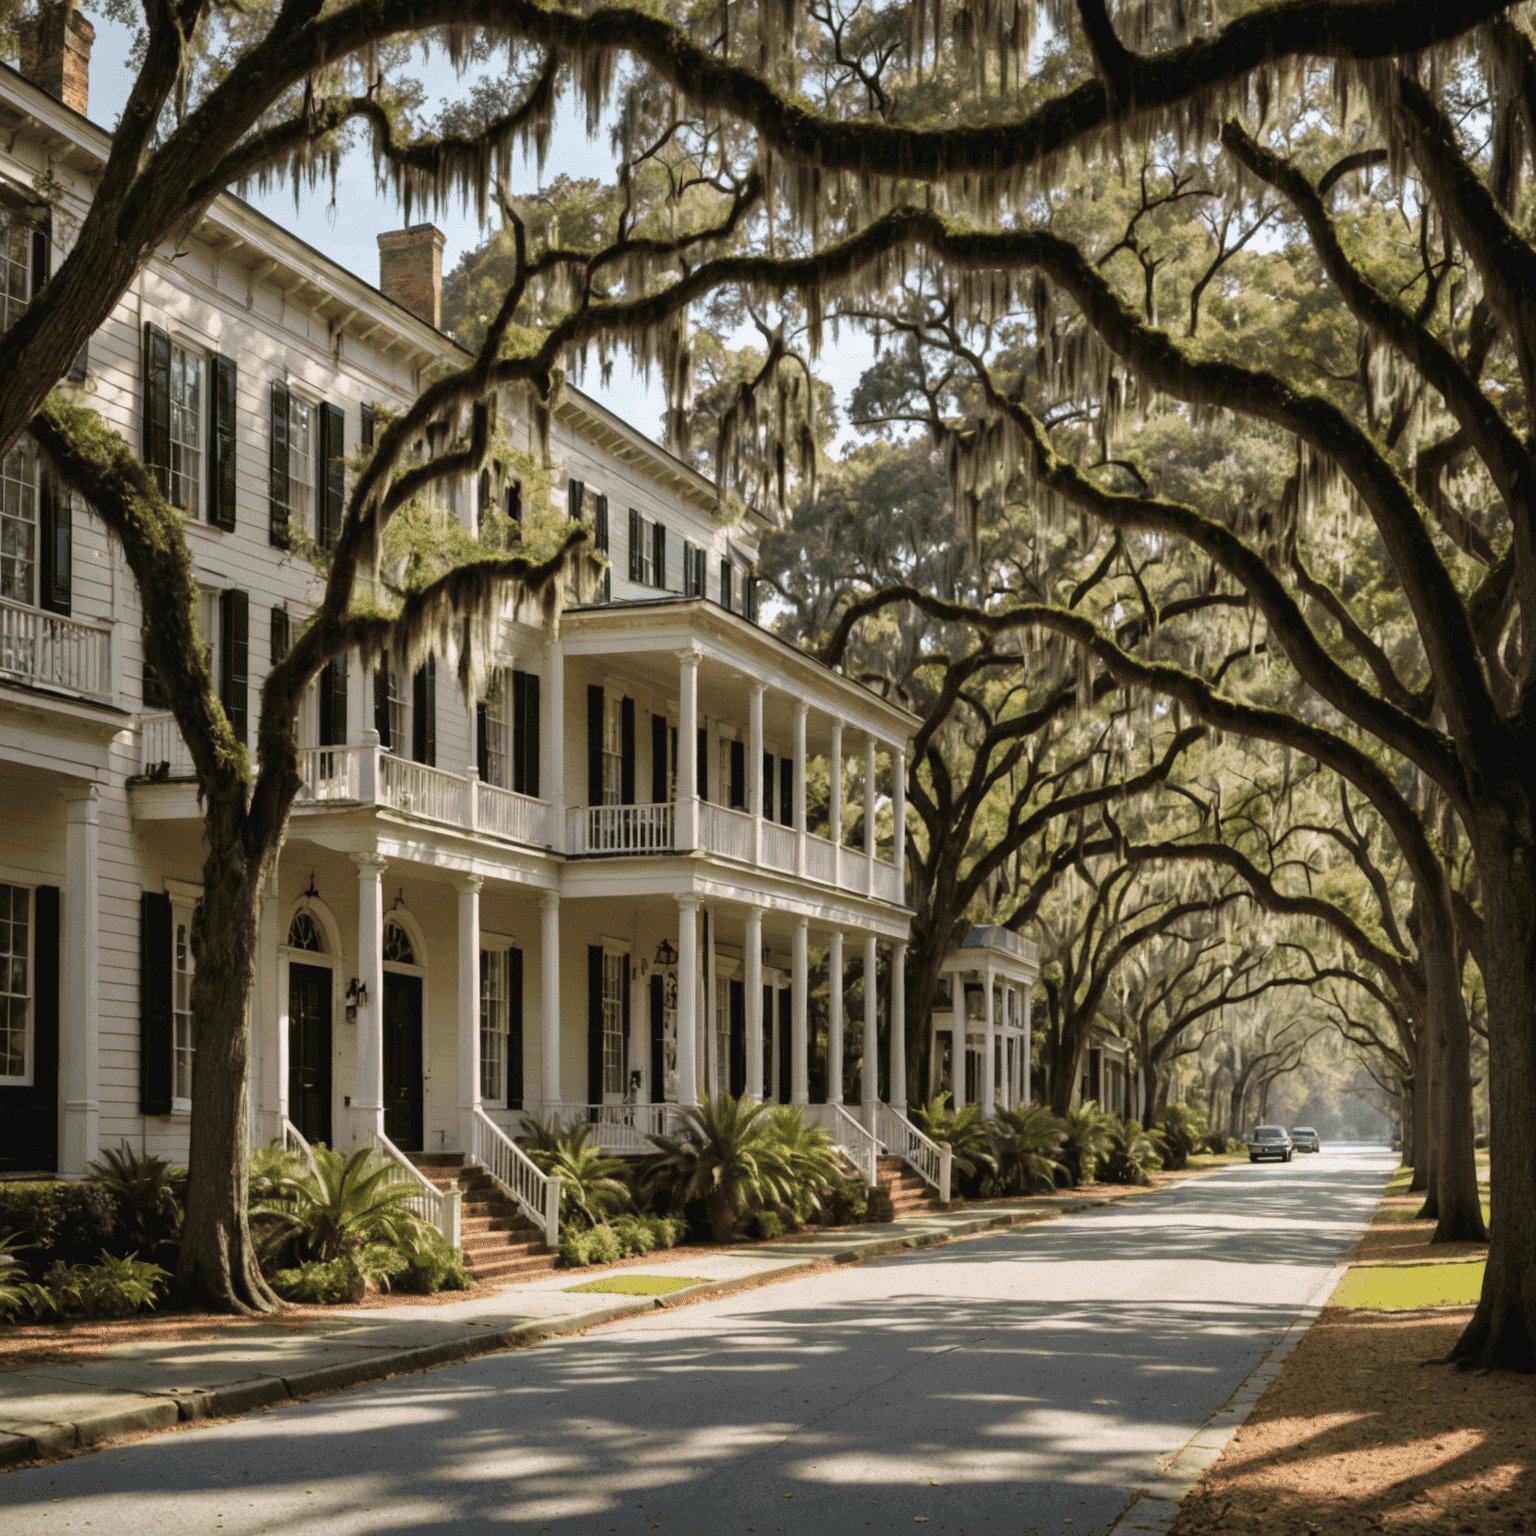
{"points": [[154, 1003], [767, 1041], [514, 1029], [738, 1039], [333, 475], [333, 702], [658, 1040], [600, 523], [56, 546], [381, 703], [727, 584], [636, 553], [687, 569], [738, 775], [594, 1024], [627, 746], [277, 475], [659, 794], [702, 771], [278, 635], [367, 428], [594, 744], [235, 657], [659, 553], [786, 1010], [525, 733], [575, 497], [482, 746], [749, 597], [702, 579], [768, 785], [46, 974], [223, 405], [157, 404], [787, 791], [424, 713], [154, 692]]}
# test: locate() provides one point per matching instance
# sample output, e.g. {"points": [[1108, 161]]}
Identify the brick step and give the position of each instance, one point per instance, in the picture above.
{"points": [[513, 1268], [509, 1222], [490, 1248], [498, 1241]]}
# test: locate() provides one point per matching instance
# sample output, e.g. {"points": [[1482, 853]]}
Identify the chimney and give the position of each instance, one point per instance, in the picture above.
{"points": [[55, 50], [411, 270]]}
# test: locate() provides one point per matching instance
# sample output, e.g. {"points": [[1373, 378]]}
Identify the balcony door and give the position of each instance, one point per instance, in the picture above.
{"points": [[309, 1051]]}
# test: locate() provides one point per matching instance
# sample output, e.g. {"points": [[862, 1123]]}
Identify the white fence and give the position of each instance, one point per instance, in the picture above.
{"points": [[617, 1128], [160, 742], [850, 1138], [56, 652], [426, 792], [902, 1139], [534, 1192], [436, 1207], [514, 817]]}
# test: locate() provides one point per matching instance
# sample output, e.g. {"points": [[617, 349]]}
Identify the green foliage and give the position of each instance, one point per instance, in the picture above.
{"points": [[769, 1224], [54, 1221], [1087, 1136], [433, 1265], [849, 1203], [149, 1197], [1025, 1142], [1183, 1128], [590, 1245], [967, 1136], [591, 1185], [111, 1287], [344, 1205], [1131, 1154], [17, 1293], [317, 1282], [667, 1231], [809, 1157], [634, 1235]]}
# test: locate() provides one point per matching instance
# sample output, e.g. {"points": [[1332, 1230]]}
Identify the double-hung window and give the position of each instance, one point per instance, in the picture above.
{"points": [[301, 462], [493, 731], [186, 466], [613, 750], [18, 523], [16, 974], [722, 1035], [615, 1045], [23, 262], [493, 1026], [647, 551], [183, 967]]}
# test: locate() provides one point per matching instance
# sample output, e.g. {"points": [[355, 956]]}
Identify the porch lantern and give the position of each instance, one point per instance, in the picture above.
{"points": [[666, 956], [357, 995]]}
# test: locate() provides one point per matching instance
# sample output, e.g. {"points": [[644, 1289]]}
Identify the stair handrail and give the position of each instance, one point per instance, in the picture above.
{"points": [[534, 1192], [436, 1207], [293, 1140], [933, 1163], [850, 1138]]}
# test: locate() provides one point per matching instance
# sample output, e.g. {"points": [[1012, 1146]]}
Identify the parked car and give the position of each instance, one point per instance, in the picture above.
{"points": [[1269, 1141], [1304, 1139]]}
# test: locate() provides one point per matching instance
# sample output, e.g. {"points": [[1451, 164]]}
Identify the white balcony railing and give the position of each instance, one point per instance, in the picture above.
{"points": [[725, 832], [887, 882], [621, 829], [778, 847], [536, 1193], [820, 859], [160, 742], [991, 936], [427, 792], [329, 773], [515, 817], [48, 651]]}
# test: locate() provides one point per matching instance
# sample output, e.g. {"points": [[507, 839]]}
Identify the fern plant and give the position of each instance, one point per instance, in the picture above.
{"points": [[344, 1205], [590, 1183], [149, 1194], [18, 1294], [1026, 1141], [1087, 1137], [809, 1157], [1132, 1153], [966, 1135]]}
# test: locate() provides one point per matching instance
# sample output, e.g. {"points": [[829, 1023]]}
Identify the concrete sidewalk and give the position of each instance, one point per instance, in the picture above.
{"points": [[52, 1410]]}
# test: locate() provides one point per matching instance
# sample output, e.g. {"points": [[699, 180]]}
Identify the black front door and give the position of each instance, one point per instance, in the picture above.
{"points": [[402, 1061], [309, 1051]]}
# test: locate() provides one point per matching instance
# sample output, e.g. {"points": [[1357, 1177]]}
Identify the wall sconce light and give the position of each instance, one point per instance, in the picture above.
{"points": [[665, 955], [357, 995]]}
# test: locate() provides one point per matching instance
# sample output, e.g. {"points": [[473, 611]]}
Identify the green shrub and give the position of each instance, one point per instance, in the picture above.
{"points": [[149, 1196], [849, 1205], [318, 1281], [18, 1294], [634, 1235], [590, 1184], [967, 1136], [344, 1205], [56, 1222], [111, 1287], [573, 1247], [668, 1231], [769, 1224], [1480, 1141], [1131, 1154], [1026, 1141], [434, 1265], [603, 1246], [1086, 1137], [1183, 1129]]}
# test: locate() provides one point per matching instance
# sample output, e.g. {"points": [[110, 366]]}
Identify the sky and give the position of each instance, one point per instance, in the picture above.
{"points": [[347, 231]]}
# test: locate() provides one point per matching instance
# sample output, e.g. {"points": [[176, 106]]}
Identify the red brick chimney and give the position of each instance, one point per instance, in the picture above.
{"points": [[55, 49], [411, 270]]}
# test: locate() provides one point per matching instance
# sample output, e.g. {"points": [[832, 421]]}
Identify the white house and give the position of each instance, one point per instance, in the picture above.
{"points": [[591, 891]]}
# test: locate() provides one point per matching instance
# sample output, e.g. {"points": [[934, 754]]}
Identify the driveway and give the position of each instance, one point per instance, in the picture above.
{"points": [[1025, 1381]]}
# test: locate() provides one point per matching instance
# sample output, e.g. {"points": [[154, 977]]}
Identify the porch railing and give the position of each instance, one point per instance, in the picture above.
{"points": [[436, 1207], [900, 1138], [160, 742], [725, 832], [329, 773], [43, 648], [820, 859], [621, 1129], [512, 816], [621, 829], [778, 846], [534, 1192], [848, 1135], [293, 1141], [888, 882], [426, 792]]}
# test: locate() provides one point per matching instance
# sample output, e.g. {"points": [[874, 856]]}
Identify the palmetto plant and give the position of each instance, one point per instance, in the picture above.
{"points": [[1089, 1133], [1025, 1143], [17, 1292], [1132, 1151], [589, 1182], [344, 1205], [963, 1131], [810, 1158], [150, 1194], [727, 1155]]}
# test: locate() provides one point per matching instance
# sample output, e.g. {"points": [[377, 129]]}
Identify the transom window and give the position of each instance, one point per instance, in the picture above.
{"points": [[493, 1025], [304, 933], [18, 523], [186, 428], [301, 461], [183, 968], [613, 750], [15, 983], [397, 944], [615, 1045]]}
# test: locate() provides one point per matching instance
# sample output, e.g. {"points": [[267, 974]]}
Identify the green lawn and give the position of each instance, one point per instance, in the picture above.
{"points": [[639, 1285], [1411, 1285]]}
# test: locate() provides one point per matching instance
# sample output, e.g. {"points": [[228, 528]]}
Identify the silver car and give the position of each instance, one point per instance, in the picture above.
{"points": [[1304, 1139], [1269, 1141]]}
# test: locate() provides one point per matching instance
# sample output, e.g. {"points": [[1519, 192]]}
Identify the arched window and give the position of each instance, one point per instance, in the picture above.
{"points": [[304, 932], [397, 944]]}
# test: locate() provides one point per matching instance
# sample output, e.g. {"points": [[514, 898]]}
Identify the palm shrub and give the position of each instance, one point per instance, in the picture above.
{"points": [[726, 1154], [1131, 1153], [1183, 1129], [1085, 1139], [17, 1293], [149, 1197], [1025, 1142], [590, 1183], [810, 1160], [966, 1135]]}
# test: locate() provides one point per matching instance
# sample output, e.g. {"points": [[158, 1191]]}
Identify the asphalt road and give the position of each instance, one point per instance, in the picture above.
{"points": [[1023, 1381]]}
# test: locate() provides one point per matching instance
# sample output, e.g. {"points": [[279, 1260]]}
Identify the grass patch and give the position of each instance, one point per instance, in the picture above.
{"points": [[1411, 1285], [639, 1285]]}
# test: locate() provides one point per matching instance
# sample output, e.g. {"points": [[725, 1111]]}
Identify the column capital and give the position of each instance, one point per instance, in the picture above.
{"points": [[899, 947], [690, 903], [470, 884], [756, 686], [549, 902], [370, 864], [802, 709], [756, 914], [689, 655], [803, 924], [84, 796]]}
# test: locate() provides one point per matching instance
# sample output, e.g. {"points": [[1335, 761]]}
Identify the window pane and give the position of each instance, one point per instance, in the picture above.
{"points": [[615, 1046], [186, 428], [181, 1016], [15, 979], [493, 1025], [18, 523]]}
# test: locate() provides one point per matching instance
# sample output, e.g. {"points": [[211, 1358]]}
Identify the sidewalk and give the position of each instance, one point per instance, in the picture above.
{"points": [[53, 1410]]}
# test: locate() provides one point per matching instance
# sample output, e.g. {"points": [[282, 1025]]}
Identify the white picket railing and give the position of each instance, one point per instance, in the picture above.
{"points": [[436, 1207], [426, 792], [515, 817], [534, 1192], [820, 859], [991, 936], [621, 829], [617, 1128], [293, 1141], [39, 647], [778, 846], [329, 773], [902, 1139], [725, 832], [888, 882], [160, 742], [848, 1135]]}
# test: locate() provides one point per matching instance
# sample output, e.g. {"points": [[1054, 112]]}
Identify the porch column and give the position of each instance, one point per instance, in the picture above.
{"points": [[469, 1009], [713, 1075], [554, 749], [988, 1052], [755, 768], [368, 1104], [79, 993], [799, 1057], [1005, 1088], [754, 984], [869, 1076], [957, 1044], [835, 1017], [1025, 1055], [899, 1027], [549, 1000], [687, 833], [687, 990], [801, 709], [835, 802], [899, 806], [869, 815]]}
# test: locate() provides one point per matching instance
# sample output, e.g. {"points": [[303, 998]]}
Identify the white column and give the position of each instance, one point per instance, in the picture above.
{"points": [[835, 802], [957, 1043], [899, 806], [79, 992], [270, 1026], [755, 768], [687, 834], [713, 1075], [368, 1102], [801, 710], [1010, 1046], [988, 1065], [1025, 1054], [899, 1027], [549, 1000], [835, 1018], [553, 739], [687, 991], [754, 985], [799, 1045], [869, 815], [869, 1076], [469, 1009]]}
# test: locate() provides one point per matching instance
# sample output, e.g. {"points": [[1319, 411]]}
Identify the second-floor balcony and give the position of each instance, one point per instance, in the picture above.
{"points": [[45, 650]]}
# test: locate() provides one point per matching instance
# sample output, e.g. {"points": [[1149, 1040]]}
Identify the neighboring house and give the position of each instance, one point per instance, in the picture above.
{"points": [[592, 885], [990, 976]]}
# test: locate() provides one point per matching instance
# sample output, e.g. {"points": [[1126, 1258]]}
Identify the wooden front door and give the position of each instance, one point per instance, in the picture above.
{"points": [[402, 1061], [309, 1051]]}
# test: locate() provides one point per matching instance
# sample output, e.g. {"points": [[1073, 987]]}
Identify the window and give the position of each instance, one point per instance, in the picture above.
{"points": [[493, 766], [647, 551], [18, 523], [615, 1045], [301, 461], [493, 1025], [183, 968], [693, 571], [186, 429], [398, 948], [15, 984], [23, 264], [394, 709], [722, 1035], [613, 750], [727, 584], [304, 933]]}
